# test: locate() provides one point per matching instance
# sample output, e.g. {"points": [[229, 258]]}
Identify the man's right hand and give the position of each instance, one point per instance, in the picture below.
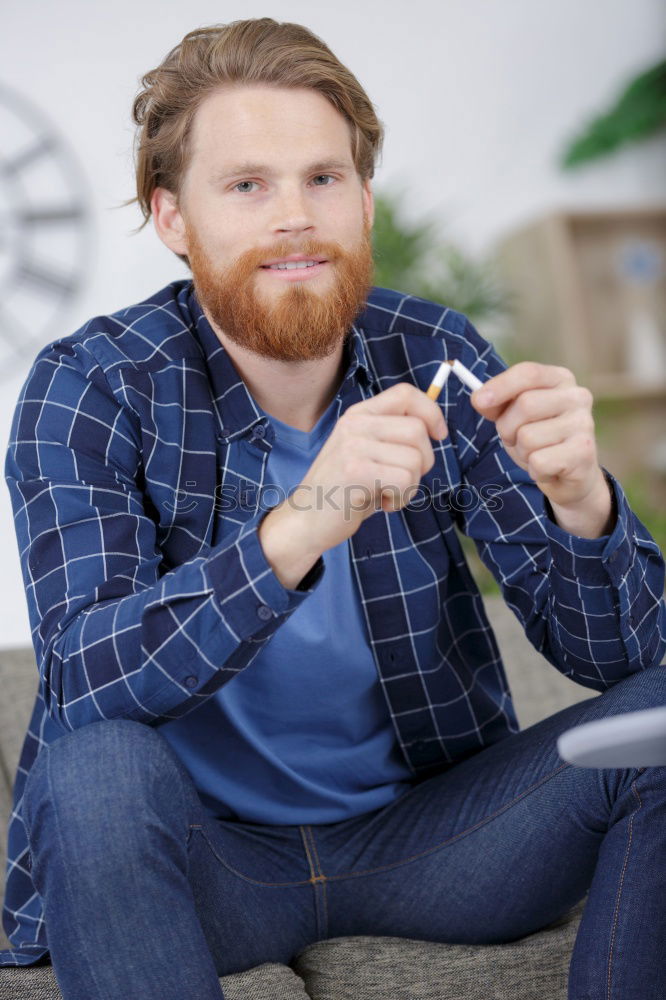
{"points": [[373, 460]]}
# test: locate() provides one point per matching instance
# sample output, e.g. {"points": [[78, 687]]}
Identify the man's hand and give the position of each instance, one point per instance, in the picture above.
{"points": [[544, 420], [373, 460]]}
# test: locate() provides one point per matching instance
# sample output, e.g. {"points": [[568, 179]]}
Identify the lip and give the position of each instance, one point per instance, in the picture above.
{"points": [[295, 274]]}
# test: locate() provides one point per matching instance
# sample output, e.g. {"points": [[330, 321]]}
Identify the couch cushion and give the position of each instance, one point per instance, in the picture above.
{"points": [[265, 982], [363, 968], [18, 683], [19, 680]]}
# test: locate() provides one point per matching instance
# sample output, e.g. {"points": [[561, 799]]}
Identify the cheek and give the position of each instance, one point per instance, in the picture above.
{"points": [[350, 229], [218, 251], [344, 211]]}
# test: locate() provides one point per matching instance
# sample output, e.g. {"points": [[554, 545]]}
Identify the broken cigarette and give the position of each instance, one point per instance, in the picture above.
{"points": [[440, 378], [443, 372]]}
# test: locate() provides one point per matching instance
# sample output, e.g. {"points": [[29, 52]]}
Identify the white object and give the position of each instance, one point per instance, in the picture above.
{"points": [[465, 375], [635, 739], [441, 374], [646, 349]]}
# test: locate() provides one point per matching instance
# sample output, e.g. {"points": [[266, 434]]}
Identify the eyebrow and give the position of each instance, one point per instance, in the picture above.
{"points": [[262, 168]]}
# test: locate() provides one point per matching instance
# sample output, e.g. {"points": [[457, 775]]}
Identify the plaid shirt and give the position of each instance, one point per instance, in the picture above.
{"points": [[135, 468]]}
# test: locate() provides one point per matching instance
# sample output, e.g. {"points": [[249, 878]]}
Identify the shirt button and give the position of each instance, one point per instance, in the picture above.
{"points": [[224, 432], [264, 612], [259, 431], [191, 681]]}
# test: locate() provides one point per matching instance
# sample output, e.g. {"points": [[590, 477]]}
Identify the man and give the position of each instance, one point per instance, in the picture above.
{"points": [[271, 708]]}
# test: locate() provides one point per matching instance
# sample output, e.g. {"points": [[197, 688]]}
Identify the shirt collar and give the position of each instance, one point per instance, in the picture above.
{"points": [[235, 406], [359, 366]]}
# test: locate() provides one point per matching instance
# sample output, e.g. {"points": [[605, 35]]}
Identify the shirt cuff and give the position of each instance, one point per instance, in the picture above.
{"points": [[246, 592], [595, 560]]}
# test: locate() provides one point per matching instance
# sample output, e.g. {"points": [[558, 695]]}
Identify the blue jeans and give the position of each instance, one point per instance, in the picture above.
{"points": [[146, 895]]}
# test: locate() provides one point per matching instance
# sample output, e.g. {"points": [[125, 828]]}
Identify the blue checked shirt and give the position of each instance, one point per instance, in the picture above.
{"points": [[135, 468]]}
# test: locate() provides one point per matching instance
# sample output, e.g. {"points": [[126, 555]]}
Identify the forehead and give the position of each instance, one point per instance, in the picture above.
{"points": [[253, 122]]}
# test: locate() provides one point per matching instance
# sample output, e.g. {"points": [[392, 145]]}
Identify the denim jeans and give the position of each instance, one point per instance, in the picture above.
{"points": [[146, 895]]}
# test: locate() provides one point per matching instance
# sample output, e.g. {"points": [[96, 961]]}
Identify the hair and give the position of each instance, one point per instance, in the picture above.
{"points": [[258, 51]]}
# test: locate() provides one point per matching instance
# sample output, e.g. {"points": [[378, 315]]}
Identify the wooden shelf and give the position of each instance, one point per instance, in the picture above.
{"points": [[578, 280]]}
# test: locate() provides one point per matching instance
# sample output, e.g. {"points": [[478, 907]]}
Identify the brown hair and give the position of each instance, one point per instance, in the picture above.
{"points": [[253, 51]]}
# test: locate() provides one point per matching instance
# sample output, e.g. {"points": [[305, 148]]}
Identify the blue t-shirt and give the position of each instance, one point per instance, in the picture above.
{"points": [[303, 734]]}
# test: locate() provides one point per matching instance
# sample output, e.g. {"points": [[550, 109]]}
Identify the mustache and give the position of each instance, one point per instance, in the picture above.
{"points": [[254, 258], [247, 262]]}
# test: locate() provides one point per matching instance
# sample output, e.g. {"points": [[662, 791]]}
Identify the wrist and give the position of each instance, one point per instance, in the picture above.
{"points": [[592, 517], [285, 546]]}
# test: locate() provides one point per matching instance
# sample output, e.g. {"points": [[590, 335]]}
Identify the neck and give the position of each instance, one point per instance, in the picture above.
{"points": [[295, 392]]}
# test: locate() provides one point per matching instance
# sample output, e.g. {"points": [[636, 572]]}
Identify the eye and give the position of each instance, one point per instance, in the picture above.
{"points": [[319, 177], [236, 186]]}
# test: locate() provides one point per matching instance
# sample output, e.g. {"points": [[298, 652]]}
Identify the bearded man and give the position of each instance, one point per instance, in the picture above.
{"points": [[271, 708]]}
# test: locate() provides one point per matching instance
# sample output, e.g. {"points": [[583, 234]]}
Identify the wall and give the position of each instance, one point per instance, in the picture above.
{"points": [[477, 98]]}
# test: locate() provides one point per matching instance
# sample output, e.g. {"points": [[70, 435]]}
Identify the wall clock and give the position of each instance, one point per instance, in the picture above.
{"points": [[46, 233]]}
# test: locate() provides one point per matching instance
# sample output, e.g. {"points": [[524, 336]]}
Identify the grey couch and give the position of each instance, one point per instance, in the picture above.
{"points": [[353, 968]]}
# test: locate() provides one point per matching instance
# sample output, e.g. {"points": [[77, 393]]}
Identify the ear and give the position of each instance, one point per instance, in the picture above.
{"points": [[168, 220], [368, 202]]}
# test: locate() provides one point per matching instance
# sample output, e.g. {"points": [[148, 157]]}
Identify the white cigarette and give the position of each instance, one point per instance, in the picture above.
{"points": [[440, 378], [465, 375]]}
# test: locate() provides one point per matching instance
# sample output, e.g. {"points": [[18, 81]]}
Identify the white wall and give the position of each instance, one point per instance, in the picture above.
{"points": [[478, 97]]}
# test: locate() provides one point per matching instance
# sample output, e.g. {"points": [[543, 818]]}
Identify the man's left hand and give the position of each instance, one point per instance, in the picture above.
{"points": [[544, 420]]}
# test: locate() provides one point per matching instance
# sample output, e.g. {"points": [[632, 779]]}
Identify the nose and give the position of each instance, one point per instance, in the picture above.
{"points": [[293, 214]]}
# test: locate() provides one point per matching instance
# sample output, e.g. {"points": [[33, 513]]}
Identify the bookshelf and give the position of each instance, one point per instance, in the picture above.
{"points": [[589, 292]]}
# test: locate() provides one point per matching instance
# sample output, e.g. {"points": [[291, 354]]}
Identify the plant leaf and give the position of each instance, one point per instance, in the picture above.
{"points": [[639, 112]]}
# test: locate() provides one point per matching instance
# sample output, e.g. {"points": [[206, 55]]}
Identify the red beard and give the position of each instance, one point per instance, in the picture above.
{"points": [[299, 324]]}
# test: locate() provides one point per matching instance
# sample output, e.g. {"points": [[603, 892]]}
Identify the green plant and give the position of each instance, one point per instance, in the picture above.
{"points": [[636, 488], [483, 578], [409, 257], [640, 111]]}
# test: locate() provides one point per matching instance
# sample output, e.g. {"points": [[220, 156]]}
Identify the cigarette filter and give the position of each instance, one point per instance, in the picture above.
{"points": [[440, 378]]}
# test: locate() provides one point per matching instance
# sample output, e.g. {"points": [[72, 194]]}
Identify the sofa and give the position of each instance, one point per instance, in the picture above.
{"points": [[353, 968]]}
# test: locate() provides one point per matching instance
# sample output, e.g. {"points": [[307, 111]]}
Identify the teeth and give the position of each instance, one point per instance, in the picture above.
{"points": [[290, 265]]}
